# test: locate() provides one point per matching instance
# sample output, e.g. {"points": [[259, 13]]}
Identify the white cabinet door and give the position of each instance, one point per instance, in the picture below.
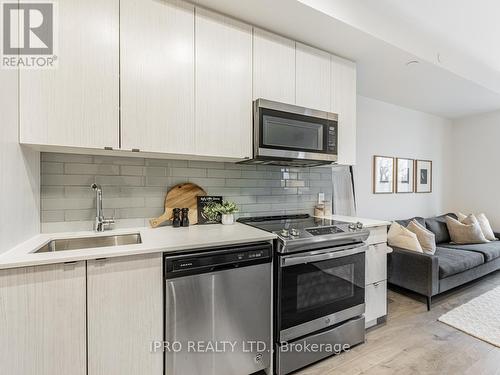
{"points": [[376, 263], [42, 320], [157, 76], [273, 67], [344, 104], [313, 78], [375, 301], [76, 104], [223, 86], [125, 315]]}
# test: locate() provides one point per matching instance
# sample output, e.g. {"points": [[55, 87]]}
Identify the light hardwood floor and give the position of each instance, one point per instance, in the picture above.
{"points": [[414, 342]]}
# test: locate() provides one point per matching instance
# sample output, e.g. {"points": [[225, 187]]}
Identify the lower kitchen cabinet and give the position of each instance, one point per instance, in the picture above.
{"points": [[375, 299], [376, 261], [376, 276], [42, 320], [125, 315]]}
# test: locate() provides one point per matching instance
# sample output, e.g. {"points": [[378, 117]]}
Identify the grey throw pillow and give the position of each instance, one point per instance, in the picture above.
{"points": [[437, 225]]}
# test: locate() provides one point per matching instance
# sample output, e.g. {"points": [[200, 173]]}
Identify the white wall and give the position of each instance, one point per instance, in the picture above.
{"points": [[19, 173], [476, 171], [390, 130]]}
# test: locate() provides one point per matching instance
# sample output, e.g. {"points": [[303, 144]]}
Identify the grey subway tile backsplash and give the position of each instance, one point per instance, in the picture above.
{"points": [[189, 172], [66, 158], [66, 180], [120, 180], [52, 168], [134, 188], [131, 170], [92, 169]]}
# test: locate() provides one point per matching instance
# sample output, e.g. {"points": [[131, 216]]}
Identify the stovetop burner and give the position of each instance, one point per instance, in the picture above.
{"points": [[294, 225], [300, 231]]}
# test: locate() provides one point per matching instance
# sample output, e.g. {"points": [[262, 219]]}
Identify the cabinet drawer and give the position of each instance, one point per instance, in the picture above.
{"points": [[377, 235], [376, 263], [375, 301]]}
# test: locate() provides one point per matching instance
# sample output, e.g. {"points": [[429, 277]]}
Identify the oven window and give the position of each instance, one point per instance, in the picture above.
{"points": [[313, 290], [321, 287], [280, 132]]}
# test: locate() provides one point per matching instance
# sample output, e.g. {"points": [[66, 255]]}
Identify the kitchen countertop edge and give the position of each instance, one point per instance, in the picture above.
{"points": [[164, 240]]}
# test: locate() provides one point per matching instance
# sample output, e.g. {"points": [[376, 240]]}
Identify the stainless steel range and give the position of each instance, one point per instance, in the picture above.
{"points": [[319, 281]]}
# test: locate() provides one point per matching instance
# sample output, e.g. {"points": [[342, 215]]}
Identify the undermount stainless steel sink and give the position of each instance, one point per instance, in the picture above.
{"points": [[90, 242]]}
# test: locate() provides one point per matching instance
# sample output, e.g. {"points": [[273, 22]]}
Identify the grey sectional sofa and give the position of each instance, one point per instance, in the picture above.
{"points": [[451, 266]]}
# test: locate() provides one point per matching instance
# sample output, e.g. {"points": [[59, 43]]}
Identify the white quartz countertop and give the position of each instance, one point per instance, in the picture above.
{"points": [[367, 223], [164, 239]]}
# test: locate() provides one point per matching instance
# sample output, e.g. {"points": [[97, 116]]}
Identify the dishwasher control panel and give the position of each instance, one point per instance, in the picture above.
{"points": [[217, 259]]}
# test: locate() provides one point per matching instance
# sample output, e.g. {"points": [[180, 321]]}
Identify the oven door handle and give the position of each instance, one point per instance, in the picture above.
{"points": [[312, 257]]}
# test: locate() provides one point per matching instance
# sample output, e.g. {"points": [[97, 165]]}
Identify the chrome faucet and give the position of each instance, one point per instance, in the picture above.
{"points": [[100, 221]]}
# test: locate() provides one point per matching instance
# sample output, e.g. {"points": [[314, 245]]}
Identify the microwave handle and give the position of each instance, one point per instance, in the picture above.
{"points": [[302, 259]]}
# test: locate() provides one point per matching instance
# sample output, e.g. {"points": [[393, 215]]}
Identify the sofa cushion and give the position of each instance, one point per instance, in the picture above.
{"points": [[437, 225], [453, 261], [405, 223], [490, 250]]}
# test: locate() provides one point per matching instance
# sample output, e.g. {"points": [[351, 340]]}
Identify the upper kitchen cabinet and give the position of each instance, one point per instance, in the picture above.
{"points": [[76, 104], [344, 104], [157, 76], [313, 78], [273, 67], [223, 87]]}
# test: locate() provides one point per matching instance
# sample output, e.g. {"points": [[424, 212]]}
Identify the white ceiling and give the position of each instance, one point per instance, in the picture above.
{"points": [[383, 35]]}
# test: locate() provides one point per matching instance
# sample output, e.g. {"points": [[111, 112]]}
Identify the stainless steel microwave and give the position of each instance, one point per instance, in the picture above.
{"points": [[286, 134]]}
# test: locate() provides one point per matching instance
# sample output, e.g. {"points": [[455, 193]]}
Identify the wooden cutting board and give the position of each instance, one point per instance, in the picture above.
{"points": [[180, 196]]}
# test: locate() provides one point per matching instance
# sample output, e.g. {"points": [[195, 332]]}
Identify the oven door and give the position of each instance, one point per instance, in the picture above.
{"points": [[319, 289], [291, 132]]}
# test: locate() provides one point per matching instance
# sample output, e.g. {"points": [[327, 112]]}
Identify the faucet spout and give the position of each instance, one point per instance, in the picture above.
{"points": [[100, 221]]}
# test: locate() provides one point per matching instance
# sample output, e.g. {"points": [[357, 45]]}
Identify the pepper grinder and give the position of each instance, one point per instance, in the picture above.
{"points": [[185, 217], [176, 222]]}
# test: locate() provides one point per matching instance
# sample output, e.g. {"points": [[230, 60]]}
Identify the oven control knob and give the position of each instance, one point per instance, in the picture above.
{"points": [[327, 321], [359, 225], [294, 232], [285, 233]]}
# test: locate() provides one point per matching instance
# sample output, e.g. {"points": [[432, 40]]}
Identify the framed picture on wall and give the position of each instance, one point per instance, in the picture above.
{"points": [[423, 176], [404, 175], [383, 175]]}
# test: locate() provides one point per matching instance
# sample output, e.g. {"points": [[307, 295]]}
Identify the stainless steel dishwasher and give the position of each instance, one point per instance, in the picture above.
{"points": [[218, 311]]}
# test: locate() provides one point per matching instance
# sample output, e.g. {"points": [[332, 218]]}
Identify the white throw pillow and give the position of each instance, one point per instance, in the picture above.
{"points": [[425, 237], [484, 223], [403, 238], [467, 232]]}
